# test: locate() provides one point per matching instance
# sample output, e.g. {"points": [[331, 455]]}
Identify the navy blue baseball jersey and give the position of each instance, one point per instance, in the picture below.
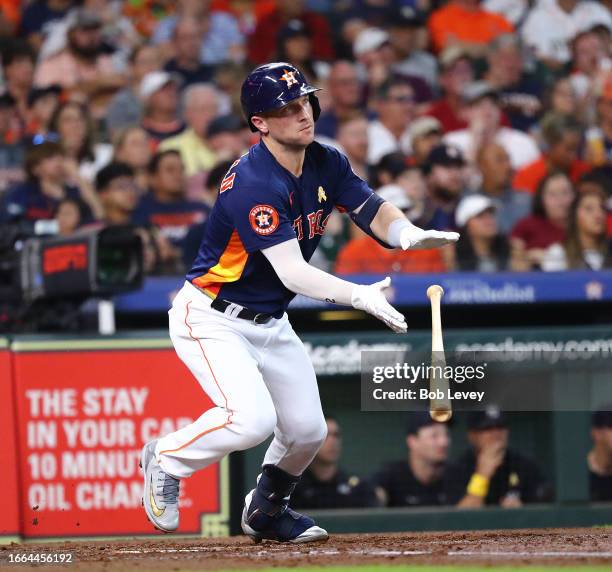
{"points": [[261, 204]]}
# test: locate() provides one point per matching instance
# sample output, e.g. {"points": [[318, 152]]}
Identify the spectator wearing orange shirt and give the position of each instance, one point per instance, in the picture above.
{"points": [[364, 255], [465, 22], [562, 136]]}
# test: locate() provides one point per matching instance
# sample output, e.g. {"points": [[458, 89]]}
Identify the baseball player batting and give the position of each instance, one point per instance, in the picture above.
{"points": [[229, 324]]}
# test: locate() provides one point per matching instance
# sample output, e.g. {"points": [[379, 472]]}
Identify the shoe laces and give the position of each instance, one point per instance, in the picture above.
{"points": [[169, 488]]}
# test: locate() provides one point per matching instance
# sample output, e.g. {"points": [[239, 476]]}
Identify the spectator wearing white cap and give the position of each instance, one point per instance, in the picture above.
{"points": [[481, 247], [159, 95], [373, 50], [484, 118], [425, 134], [553, 24], [395, 105]]}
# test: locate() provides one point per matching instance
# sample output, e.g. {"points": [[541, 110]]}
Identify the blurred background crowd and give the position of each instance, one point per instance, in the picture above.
{"points": [[491, 117]]}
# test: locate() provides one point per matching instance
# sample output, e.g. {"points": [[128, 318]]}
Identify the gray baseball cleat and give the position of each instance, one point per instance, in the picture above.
{"points": [[161, 492]]}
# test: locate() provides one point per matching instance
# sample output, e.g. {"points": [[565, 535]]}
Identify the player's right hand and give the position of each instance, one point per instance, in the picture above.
{"points": [[371, 299]]}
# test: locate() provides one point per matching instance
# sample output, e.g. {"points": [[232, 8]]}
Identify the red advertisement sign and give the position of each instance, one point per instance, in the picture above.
{"points": [[9, 515], [83, 417]]}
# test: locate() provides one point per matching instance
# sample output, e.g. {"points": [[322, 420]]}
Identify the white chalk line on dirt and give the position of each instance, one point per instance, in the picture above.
{"points": [[538, 554], [282, 552]]}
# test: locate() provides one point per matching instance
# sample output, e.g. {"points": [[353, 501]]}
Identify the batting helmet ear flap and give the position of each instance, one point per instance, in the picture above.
{"points": [[316, 106]]}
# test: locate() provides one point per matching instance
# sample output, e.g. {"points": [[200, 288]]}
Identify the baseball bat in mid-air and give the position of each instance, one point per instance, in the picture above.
{"points": [[439, 405]]}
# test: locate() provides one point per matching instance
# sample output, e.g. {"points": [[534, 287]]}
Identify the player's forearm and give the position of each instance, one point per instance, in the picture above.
{"points": [[302, 278], [387, 214]]}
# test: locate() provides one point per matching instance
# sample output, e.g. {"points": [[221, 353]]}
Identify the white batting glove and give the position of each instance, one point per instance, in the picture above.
{"points": [[371, 299], [412, 238]]}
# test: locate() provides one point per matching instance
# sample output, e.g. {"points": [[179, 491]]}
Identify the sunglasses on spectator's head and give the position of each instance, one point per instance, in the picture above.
{"points": [[41, 138]]}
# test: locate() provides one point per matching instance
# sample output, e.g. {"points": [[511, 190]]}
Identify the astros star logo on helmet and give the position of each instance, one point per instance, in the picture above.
{"points": [[289, 77]]}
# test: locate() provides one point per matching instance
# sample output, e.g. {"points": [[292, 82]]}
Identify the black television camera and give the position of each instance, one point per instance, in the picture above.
{"points": [[45, 279]]}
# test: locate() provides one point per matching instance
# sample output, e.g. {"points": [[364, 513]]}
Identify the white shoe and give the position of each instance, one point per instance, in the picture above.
{"points": [[161, 491]]}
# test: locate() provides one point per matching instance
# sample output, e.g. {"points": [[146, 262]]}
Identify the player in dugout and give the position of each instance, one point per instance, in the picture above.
{"points": [[417, 480], [490, 472], [229, 323], [599, 459]]}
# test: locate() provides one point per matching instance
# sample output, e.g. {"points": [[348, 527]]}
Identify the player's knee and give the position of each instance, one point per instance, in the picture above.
{"points": [[255, 426], [310, 432]]}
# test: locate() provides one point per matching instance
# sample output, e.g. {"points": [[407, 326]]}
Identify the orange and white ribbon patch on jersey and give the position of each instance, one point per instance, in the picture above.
{"points": [[227, 183], [264, 219]]}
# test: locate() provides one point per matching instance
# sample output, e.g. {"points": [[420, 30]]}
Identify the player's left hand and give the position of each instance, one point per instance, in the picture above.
{"points": [[414, 238]]}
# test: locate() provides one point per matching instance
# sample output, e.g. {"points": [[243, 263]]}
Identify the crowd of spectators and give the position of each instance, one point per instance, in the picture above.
{"points": [[489, 472], [490, 117]]}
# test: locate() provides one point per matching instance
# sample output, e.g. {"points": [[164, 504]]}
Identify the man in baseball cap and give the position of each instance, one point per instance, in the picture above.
{"points": [[599, 458], [418, 479], [82, 66], [491, 473], [446, 183], [158, 92]]}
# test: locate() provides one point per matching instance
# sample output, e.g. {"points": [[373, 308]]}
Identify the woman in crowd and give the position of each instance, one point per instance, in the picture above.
{"points": [[546, 225], [586, 245], [481, 247], [132, 146], [84, 158]]}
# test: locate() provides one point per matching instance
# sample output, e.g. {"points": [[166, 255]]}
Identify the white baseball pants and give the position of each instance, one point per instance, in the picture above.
{"points": [[260, 380]]}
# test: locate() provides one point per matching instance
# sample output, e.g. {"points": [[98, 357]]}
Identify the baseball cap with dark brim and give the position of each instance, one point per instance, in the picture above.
{"points": [[225, 124], [394, 163], [419, 419], [446, 156], [478, 90], [405, 17], [602, 418], [37, 93], [293, 29], [490, 418]]}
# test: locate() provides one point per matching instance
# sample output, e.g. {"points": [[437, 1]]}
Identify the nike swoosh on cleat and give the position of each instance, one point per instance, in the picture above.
{"points": [[154, 508]]}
